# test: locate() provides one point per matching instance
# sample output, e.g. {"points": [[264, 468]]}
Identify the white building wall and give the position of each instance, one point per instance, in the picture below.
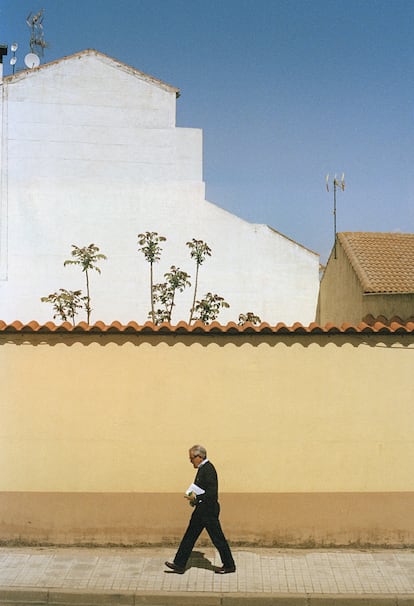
{"points": [[93, 155], [3, 178]]}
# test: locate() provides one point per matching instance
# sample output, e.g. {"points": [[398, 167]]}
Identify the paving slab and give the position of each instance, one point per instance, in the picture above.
{"points": [[132, 576]]}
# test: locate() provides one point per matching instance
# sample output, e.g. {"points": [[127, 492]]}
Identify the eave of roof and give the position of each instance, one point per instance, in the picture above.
{"points": [[371, 326], [91, 51]]}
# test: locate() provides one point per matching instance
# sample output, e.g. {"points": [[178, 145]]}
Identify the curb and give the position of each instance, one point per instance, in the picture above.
{"points": [[45, 597]]}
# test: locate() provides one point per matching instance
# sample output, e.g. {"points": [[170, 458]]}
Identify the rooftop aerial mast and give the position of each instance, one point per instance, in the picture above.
{"points": [[37, 41], [336, 183]]}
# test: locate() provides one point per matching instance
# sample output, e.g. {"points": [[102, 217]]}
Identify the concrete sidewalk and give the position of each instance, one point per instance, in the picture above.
{"points": [[264, 576]]}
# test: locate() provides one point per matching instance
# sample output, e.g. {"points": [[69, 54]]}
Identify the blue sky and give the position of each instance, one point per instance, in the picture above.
{"points": [[285, 91]]}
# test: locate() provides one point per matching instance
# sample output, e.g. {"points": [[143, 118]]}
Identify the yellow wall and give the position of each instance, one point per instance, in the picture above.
{"points": [[304, 415], [340, 293]]}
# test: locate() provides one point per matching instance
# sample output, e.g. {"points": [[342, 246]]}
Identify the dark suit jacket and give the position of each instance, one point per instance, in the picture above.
{"points": [[206, 479]]}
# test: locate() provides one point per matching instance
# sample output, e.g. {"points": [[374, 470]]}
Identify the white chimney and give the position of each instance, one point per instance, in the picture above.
{"points": [[3, 53]]}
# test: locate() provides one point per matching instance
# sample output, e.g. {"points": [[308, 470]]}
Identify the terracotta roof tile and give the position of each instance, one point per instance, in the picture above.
{"points": [[383, 262], [369, 319], [370, 325]]}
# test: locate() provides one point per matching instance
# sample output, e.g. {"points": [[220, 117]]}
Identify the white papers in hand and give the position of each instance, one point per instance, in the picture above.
{"points": [[195, 489]]}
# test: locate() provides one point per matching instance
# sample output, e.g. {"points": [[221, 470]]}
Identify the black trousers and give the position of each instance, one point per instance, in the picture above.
{"points": [[207, 518]]}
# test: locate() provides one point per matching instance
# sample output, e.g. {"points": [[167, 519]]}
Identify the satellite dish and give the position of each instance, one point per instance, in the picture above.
{"points": [[32, 60]]}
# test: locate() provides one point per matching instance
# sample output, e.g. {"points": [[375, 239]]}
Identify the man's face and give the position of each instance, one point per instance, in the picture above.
{"points": [[194, 459]]}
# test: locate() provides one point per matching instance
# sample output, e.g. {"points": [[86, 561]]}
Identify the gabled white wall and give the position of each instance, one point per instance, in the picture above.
{"points": [[92, 154]]}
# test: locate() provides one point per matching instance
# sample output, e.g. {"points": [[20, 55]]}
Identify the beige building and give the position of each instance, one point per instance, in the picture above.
{"points": [[368, 274], [310, 429]]}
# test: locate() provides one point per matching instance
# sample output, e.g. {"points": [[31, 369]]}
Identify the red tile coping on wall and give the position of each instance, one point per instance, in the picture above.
{"points": [[370, 325]]}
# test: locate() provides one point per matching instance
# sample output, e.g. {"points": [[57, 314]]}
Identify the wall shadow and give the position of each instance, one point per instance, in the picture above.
{"points": [[387, 339]]}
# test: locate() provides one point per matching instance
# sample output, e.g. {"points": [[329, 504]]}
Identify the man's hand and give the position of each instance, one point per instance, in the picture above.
{"points": [[192, 498]]}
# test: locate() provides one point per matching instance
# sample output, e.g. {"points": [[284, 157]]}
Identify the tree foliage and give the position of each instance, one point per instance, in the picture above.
{"points": [[87, 257], [66, 303], [164, 293], [176, 280], [199, 250], [249, 317], [209, 308], [149, 243]]}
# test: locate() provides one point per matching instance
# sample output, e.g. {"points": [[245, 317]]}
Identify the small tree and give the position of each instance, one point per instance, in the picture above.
{"points": [[249, 317], [66, 303], [209, 308], [87, 257], [199, 250], [149, 243], [160, 295], [164, 293]]}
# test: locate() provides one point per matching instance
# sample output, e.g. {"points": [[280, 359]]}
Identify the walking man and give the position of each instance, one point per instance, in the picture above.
{"points": [[204, 499]]}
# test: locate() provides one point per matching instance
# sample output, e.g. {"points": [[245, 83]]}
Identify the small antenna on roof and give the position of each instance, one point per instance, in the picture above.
{"points": [[336, 183], [37, 40]]}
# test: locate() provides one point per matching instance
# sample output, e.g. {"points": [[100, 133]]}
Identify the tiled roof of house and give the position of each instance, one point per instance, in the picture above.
{"points": [[370, 325], [383, 262]]}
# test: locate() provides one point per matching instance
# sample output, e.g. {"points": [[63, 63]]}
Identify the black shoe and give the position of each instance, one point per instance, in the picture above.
{"points": [[175, 568], [225, 570]]}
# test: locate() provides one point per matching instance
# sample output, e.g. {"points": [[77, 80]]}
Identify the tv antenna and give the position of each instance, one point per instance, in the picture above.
{"points": [[37, 40], [336, 183]]}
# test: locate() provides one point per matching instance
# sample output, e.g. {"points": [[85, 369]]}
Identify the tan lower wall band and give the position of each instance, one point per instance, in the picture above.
{"points": [[261, 519]]}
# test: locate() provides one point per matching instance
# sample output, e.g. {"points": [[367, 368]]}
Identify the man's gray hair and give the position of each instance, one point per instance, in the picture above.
{"points": [[197, 449]]}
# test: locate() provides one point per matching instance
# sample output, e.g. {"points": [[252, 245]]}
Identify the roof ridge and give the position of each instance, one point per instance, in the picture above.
{"points": [[99, 54]]}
